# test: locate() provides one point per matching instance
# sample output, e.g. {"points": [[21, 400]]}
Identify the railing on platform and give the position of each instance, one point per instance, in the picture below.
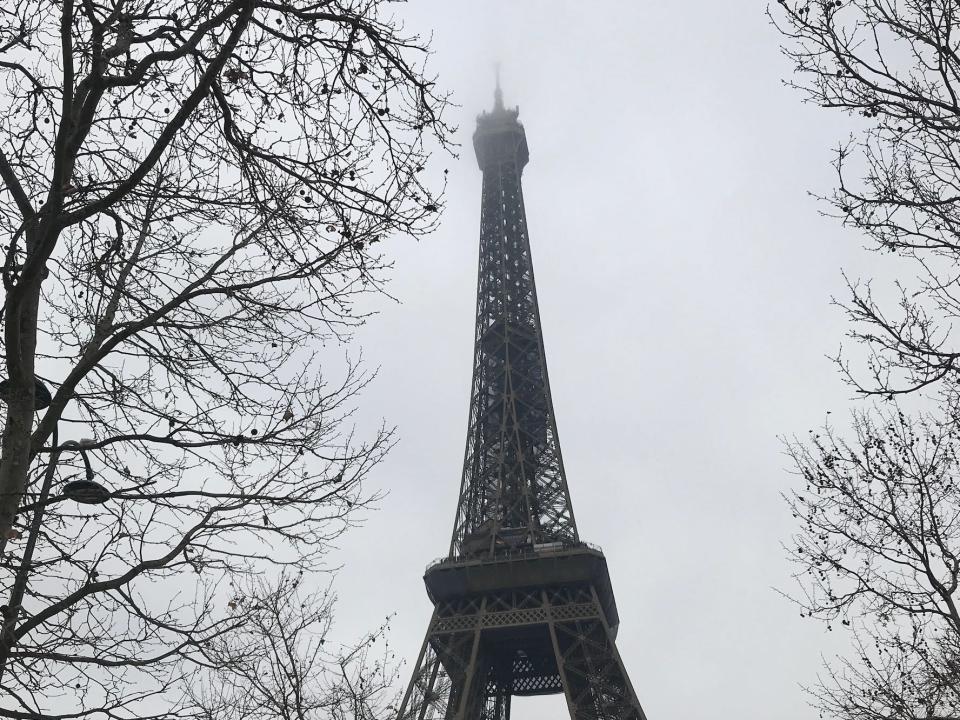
{"points": [[516, 553]]}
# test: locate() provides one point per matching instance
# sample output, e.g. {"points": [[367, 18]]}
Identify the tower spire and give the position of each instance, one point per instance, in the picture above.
{"points": [[497, 93]]}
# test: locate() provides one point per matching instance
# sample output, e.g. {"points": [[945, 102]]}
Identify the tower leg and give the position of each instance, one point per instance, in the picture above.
{"points": [[429, 689], [471, 694], [594, 679], [480, 650], [449, 680]]}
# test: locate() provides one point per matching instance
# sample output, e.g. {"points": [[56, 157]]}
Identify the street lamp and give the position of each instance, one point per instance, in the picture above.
{"points": [[41, 396], [87, 491]]}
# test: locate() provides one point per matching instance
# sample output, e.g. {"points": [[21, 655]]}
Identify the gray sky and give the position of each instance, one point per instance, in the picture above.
{"points": [[684, 279]]}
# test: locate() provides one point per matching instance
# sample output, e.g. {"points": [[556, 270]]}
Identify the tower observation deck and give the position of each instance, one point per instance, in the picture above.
{"points": [[522, 606]]}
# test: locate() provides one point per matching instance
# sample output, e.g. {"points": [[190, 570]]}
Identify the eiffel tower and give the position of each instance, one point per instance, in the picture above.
{"points": [[522, 606]]}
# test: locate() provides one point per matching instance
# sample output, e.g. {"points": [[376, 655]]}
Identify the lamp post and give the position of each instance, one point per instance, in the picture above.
{"points": [[86, 491]]}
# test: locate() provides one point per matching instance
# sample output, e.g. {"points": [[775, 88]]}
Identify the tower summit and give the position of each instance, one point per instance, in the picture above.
{"points": [[521, 605]]}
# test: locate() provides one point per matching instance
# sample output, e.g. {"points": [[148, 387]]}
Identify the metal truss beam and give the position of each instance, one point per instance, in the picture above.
{"points": [[480, 651]]}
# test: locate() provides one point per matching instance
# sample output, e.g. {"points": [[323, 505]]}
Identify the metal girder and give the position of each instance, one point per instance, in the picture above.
{"points": [[480, 651]]}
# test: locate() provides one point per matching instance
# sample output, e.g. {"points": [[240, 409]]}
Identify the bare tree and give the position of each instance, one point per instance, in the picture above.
{"points": [[893, 66], [879, 542], [194, 196], [879, 553], [286, 665]]}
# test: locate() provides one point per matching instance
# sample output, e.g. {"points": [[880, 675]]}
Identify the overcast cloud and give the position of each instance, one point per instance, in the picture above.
{"points": [[684, 279]]}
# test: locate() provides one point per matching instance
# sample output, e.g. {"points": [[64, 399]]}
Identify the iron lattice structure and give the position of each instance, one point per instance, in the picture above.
{"points": [[521, 605], [514, 490]]}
